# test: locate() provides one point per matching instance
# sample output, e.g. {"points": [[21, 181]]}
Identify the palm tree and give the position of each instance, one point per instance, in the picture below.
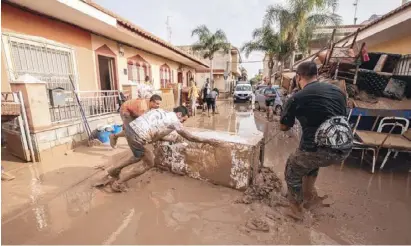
{"points": [[209, 43], [266, 40], [297, 21]]}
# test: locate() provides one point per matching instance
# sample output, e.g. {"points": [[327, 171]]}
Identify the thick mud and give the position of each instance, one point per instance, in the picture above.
{"points": [[266, 187], [53, 203]]}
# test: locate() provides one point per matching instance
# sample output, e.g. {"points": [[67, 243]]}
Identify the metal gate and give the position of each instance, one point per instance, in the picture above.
{"points": [[16, 131]]}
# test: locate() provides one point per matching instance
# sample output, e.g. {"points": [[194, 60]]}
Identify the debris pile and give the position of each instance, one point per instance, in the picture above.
{"points": [[266, 188]]}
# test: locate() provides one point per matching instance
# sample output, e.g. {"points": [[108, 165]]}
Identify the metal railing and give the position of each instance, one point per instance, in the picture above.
{"points": [[403, 67], [94, 103]]}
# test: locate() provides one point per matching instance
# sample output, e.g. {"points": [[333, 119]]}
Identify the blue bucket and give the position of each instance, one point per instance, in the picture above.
{"points": [[103, 136], [117, 128]]}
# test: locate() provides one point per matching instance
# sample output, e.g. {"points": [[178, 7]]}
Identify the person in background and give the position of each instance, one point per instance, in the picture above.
{"points": [[155, 125], [204, 93], [218, 94], [270, 95], [327, 137], [211, 101], [147, 81], [192, 96], [129, 111]]}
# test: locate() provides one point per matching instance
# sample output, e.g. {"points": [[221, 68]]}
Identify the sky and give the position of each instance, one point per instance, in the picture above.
{"points": [[237, 18]]}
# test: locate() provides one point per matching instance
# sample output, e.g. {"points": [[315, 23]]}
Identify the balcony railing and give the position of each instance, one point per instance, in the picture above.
{"points": [[94, 103]]}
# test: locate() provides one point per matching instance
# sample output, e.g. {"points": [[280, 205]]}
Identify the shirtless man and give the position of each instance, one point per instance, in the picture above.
{"points": [[129, 111], [155, 125]]}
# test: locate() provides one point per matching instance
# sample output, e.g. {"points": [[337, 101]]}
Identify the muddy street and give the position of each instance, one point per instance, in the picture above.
{"points": [[55, 204]]}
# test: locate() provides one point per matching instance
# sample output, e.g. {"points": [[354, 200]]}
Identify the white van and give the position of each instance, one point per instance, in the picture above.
{"points": [[242, 92]]}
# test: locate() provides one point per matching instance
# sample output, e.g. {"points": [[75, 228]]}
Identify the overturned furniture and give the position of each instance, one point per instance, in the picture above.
{"points": [[234, 164]]}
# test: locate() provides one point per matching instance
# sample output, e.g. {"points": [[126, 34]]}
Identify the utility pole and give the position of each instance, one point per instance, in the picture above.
{"points": [[355, 11], [168, 26]]}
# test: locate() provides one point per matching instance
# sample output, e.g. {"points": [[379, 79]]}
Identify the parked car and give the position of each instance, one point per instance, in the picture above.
{"points": [[260, 100], [242, 92]]}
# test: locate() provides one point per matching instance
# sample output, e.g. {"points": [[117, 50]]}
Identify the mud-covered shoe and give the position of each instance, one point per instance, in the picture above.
{"points": [[118, 187], [316, 202], [107, 179], [113, 141], [295, 211]]}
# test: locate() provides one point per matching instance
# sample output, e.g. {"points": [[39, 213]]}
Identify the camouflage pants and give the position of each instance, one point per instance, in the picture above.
{"points": [[303, 163]]}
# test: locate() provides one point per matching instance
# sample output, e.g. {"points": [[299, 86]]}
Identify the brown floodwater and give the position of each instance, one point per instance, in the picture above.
{"points": [[60, 207]]}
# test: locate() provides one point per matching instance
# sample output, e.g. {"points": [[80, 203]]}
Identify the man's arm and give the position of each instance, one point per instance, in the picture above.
{"points": [[190, 137], [288, 115]]}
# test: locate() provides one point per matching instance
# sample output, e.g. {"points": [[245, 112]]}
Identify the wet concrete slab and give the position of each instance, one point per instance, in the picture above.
{"points": [[53, 203]]}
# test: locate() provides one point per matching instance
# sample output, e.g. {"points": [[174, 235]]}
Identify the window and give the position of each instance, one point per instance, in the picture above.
{"points": [[165, 76], [138, 69], [43, 59]]}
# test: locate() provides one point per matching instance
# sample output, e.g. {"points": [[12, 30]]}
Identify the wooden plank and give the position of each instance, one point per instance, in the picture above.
{"points": [[381, 62]]}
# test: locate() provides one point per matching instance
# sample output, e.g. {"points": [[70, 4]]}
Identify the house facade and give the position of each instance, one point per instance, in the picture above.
{"points": [[76, 46], [224, 64]]}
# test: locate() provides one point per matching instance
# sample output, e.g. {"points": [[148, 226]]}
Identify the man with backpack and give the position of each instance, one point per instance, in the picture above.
{"points": [[327, 137]]}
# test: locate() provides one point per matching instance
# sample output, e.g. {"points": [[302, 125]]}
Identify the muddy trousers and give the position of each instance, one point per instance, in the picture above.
{"points": [[141, 156], [306, 164]]}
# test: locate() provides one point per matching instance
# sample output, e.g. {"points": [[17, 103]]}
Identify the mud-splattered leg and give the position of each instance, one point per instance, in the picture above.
{"points": [[114, 172], [293, 176], [143, 166]]}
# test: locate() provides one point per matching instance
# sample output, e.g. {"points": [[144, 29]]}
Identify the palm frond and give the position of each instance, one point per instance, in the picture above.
{"points": [[201, 31], [210, 43], [252, 46], [320, 19]]}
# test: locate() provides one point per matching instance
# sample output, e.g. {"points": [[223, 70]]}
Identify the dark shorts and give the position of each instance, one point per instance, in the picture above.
{"points": [[269, 103], [135, 144], [210, 102], [303, 163]]}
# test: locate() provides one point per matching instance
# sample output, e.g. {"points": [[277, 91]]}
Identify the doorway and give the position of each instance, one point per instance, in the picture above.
{"points": [[106, 72], [180, 77]]}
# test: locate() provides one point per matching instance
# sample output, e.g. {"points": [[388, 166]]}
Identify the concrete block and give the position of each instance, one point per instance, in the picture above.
{"points": [[232, 165], [61, 132], [73, 130], [46, 136], [53, 143], [64, 140], [77, 137]]}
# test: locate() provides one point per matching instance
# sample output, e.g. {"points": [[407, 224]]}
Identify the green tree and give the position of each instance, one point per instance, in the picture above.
{"points": [[298, 19], [244, 75], [209, 43], [266, 40], [256, 79]]}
